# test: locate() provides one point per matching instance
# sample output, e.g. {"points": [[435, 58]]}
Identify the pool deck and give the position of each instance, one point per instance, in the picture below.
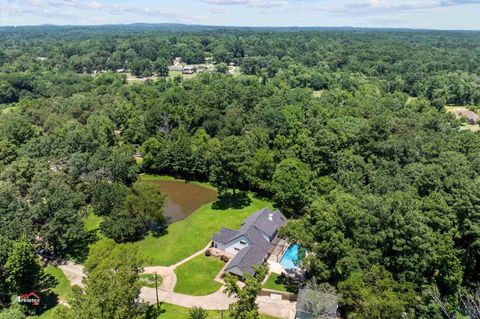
{"points": [[280, 247]]}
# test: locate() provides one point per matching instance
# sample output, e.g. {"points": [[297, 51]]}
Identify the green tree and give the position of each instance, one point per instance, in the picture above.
{"points": [[55, 208], [111, 286], [228, 164], [245, 307], [146, 203], [20, 271], [373, 294], [197, 313], [292, 185]]}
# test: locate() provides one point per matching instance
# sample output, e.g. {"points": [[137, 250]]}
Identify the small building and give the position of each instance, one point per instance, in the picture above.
{"points": [[188, 69], [463, 112], [310, 302], [175, 68], [120, 70], [471, 116], [177, 60], [252, 244]]}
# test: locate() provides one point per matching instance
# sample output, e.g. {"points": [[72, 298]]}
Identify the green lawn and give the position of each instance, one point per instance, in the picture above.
{"points": [[273, 282], [92, 222], [190, 235], [148, 280], [176, 312], [146, 176], [49, 314], [63, 288], [195, 277]]}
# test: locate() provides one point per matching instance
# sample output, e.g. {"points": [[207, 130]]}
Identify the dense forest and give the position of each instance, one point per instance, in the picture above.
{"points": [[345, 130]]}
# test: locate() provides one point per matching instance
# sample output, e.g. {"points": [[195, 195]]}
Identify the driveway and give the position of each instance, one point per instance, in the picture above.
{"points": [[216, 301]]}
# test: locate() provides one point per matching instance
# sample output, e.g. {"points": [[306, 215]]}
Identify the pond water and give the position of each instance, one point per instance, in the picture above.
{"points": [[183, 198]]}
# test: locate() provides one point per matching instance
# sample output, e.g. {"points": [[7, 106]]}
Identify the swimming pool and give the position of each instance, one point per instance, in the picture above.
{"points": [[290, 259]]}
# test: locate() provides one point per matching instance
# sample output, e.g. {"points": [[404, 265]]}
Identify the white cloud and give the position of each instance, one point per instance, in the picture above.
{"points": [[84, 10], [219, 11], [251, 3]]}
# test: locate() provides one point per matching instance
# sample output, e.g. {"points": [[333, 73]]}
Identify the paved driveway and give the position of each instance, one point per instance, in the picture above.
{"points": [[216, 301]]}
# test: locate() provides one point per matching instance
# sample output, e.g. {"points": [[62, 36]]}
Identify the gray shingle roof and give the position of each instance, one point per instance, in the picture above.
{"points": [[225, 235], [257, 227], [266, 220], [247, 258]]}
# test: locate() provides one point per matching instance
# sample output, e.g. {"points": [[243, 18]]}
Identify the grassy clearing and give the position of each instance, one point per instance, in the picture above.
{"points": [[148, 280], [92, 223], [146, 176], [63, 288], [195, 277], [274, 282], [318, 93], [190, 235], [49, 314], [8, 109], [176, 312]]}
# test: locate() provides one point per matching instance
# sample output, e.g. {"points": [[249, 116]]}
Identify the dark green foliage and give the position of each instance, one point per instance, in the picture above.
{"points": [[245, 307], [344, 130], [197, 313], [133, 213], [20, 273], [114, 269]]}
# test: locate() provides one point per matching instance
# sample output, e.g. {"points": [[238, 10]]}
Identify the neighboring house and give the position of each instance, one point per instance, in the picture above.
{"points": [[188, 69], [251, 244], [310, 302], [177, 68], [177, 60], [461, 111], [472, 117]]}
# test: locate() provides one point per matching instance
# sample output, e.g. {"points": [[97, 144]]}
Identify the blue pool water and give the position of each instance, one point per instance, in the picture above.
{"points": [[290, 258]]}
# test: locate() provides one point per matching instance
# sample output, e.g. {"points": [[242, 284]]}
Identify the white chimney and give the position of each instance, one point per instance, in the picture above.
{"points": [[270, 217]]}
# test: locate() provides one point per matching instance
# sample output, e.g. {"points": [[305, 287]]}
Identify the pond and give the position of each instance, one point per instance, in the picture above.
{"points": [[183, 198]]}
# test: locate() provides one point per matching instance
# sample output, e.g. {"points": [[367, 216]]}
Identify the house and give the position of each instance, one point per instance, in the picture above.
{"points": [[472, 117], [310, 301], [188, 69], [463, 112], [252, 244], [175, 68]]}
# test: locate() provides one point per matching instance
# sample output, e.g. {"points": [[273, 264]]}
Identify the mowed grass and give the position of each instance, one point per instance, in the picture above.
{"points": [[63, 288], [147, 177], [190, 235], [92, 223], [274, 282], [195, 277], [170, 311], [49, 314]]}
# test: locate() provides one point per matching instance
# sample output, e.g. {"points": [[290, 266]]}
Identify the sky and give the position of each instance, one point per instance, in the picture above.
{"points": [[418, 14]]}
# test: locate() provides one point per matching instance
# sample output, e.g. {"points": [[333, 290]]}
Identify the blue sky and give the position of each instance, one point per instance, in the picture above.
{"points": [[430, 14]]}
